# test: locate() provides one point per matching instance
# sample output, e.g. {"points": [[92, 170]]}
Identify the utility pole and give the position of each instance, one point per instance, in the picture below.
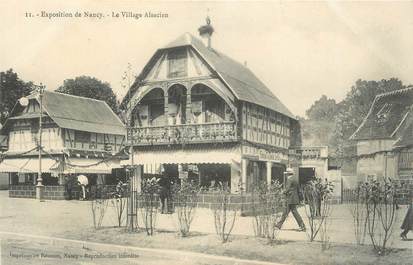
{"points": [[39, 186]]}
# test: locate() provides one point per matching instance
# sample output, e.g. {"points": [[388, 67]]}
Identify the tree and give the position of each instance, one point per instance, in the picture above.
{"points": [[355, 107], [323, 109], [90, 87], [12, 88], [330, 123], [317, 129]]}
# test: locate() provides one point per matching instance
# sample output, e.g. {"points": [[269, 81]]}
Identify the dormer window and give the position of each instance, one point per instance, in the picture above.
{"points": [[383, 113], [177, 63]]}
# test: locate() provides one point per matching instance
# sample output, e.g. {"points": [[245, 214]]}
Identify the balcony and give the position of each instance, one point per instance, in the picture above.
{"points": [[184, 133]]}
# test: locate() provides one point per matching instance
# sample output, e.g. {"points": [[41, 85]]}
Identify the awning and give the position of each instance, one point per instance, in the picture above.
{"points": [[26, 165], [186, 156], [87, 166]]}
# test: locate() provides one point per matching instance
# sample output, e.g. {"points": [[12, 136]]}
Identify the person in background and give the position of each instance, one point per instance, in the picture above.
{"points": [[83, 181], [165, 186], [212, 184], [293, 200], [69, 184], [407, 222]]}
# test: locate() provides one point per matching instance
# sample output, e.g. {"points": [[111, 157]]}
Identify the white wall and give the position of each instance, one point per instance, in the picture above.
{"points": [[23, 140]]}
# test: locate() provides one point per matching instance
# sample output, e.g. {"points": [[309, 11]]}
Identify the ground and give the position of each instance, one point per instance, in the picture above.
{"points": [[72, 220]]}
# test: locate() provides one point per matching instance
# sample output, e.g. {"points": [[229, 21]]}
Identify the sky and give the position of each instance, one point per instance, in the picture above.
{"points": [[300, 50]]}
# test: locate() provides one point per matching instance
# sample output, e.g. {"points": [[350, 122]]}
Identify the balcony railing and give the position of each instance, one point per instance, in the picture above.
{"points": [[315, 152], [184, 133]]}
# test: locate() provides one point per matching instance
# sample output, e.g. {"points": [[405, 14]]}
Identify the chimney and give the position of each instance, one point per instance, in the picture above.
{"points": [[206, 31]]}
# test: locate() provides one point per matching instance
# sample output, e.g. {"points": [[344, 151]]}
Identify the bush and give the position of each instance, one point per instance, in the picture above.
{"points": [[380, 202], [359, 214], [149, 204], [99, 204], [185, 198], [119, 201], [268, 209], [317, 195], [224, 218]]}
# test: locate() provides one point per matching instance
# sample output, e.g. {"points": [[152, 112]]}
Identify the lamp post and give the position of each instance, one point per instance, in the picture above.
{"points": [[132, 222], [39, 187]]}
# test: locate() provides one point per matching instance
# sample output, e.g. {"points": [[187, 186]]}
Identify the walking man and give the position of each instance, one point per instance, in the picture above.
{"points": [[407, 224], [293, 199]]}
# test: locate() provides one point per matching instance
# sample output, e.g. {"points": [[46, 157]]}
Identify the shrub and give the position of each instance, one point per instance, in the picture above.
{"points": [[268, 209], [99, 204], [359, 214], [185, 198], [317, 194], [380, 202], [224, 218], [149, 204], [119, 201]]}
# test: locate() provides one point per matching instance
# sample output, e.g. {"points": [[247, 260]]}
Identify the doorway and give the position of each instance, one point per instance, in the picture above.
{"points": [[305, 175], [277, 173]]}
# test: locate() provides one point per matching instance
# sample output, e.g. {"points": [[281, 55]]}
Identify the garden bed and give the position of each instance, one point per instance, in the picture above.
{"points": [[246, 247]]}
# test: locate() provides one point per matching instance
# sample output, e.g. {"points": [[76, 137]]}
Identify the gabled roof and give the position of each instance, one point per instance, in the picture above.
{"points": [[387, 115], [80, 113], [240, 80], [406, 139], [3, 141]]}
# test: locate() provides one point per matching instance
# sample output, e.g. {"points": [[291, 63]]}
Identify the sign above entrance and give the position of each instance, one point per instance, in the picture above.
{"points": [[261, 154]]}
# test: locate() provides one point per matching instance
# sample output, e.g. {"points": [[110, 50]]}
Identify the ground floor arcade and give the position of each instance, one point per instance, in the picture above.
{"points": [[212, 166], [23, 174]]}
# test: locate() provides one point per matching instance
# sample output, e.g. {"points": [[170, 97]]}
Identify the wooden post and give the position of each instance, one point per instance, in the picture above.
{"points": [[164, 87], [188, 113], [269, 171], [244, 164], [235, 168]]}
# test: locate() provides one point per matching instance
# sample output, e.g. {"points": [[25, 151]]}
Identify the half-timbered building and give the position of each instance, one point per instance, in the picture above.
{"points": [[196, 113], [79, 136]]}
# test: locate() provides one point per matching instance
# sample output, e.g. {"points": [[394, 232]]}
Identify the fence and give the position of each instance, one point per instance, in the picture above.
{"points": [[246, 203], [51, 192], [404, 192]]}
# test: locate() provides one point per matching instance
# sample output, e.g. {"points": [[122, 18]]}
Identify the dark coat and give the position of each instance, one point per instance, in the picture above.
{"points": [[293, 196], [408, 219], [70, 182]]}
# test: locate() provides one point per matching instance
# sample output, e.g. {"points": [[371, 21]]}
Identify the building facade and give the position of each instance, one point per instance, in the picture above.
{"points": [[79, 136], [196, 113], [384, 139]]}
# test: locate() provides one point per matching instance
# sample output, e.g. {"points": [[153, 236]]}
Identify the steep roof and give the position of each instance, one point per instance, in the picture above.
{"points": [[79, 113], [241, 80], [386, 116], [406, 139], [3, 141]]}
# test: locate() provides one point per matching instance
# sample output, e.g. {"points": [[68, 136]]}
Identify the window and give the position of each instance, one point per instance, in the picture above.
{"points": [[177, 63], [383, 113], [82, 136], [93, 141]]}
